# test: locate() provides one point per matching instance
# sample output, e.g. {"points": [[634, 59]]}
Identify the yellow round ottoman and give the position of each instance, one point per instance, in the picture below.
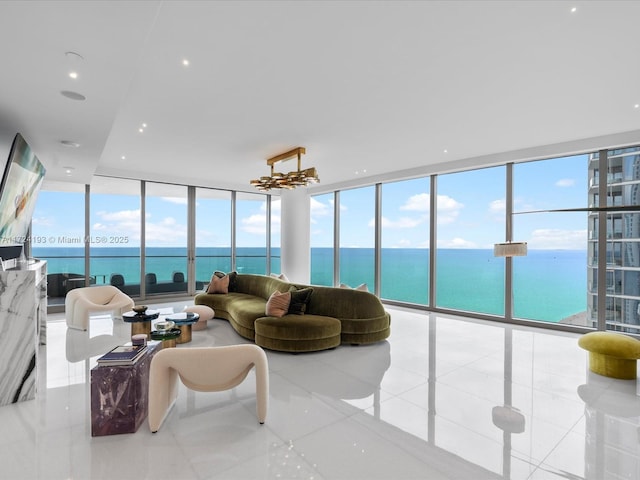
{"points": [[612, 354]]}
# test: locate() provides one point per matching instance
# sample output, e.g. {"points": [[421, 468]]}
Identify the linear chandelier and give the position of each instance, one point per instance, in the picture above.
{"points": [[510, 249], [291, 180]]}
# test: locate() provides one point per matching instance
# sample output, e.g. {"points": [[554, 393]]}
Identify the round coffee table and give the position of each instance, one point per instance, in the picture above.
{"points": [[140, 322], [167, 337], [184, 321]]}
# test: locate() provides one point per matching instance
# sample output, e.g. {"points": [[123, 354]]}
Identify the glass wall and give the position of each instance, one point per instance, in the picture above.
{"points": [[322, 238], [57, 236], [213, 234], [251, 233], [405, 241], [550, 283], [357, 237], [114, 234], [165, 228], [470, 218]]}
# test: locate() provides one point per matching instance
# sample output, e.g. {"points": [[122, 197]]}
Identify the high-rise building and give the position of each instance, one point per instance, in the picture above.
{"points": [[622, 236]]}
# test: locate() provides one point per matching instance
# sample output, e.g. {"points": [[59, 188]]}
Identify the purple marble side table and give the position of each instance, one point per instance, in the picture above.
{"points": [[120, 396]]}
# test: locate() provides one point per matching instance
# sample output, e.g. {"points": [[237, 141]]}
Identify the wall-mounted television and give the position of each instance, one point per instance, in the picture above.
{"points": [[21, 182]]}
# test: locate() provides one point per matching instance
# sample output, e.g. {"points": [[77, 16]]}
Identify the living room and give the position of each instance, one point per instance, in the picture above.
{"points": [[412, 113]]}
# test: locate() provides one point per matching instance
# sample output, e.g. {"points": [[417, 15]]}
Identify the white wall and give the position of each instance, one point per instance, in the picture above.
{"points": [[294, 235]]}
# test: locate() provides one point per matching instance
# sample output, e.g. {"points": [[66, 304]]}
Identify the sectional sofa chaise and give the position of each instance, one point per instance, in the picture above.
{"points": [[319, 317]]}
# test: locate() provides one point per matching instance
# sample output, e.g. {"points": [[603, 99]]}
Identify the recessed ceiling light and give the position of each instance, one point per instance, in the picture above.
{"points": [[574, 9], [72, 95], [144, 125], [637, 105], [73, 75], [123, 157], [68, 170], [185, 62], [141, 130], [446, 151], [69, 143]]}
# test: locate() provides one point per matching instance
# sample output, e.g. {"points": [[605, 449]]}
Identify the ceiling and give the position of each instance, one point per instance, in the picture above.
{"points": [[368, 88]]}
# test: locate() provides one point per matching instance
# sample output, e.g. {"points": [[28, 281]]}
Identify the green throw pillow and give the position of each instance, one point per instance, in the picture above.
{"points": [[299, 300]]}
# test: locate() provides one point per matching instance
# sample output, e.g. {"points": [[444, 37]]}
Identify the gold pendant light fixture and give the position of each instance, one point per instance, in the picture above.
{"points": [[291, 180]]}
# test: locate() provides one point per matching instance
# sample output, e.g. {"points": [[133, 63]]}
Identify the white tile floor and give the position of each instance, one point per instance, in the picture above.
{"points": [[443, 398]]}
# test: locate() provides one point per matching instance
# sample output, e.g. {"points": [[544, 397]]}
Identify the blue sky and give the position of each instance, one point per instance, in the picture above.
{"points": [[471, 208], [470, 213]]}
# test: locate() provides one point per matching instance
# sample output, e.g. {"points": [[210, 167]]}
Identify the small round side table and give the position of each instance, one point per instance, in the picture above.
{"points": [[184, 321], [140, 322], [167, 337]]}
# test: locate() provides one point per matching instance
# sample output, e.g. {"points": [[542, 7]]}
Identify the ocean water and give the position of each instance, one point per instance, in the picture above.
{"points": [[548, 285]]}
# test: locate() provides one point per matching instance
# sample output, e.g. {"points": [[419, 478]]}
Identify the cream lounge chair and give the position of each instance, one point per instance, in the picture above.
{"points": [[81, 302], [204, 369]]}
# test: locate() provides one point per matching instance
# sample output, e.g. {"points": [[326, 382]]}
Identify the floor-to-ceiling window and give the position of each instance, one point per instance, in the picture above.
{"points": [[251, 233], [357, 237], [470, 219], [322, 238], [165, 234], [116, 233], [405, 241], [213, 233], [550, 282], [57, 236], [115, 219]]}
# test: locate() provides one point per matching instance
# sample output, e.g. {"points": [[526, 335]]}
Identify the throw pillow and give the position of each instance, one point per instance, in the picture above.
{"points": [[218, 285], [278, 304], [299, 300], [280, 276], [233, 283]]}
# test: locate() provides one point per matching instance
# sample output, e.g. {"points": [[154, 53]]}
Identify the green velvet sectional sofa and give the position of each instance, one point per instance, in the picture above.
{"points": [[331, 315]]}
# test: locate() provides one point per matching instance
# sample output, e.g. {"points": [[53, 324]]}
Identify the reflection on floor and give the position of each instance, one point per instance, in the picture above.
{"points": [[443, 398]]}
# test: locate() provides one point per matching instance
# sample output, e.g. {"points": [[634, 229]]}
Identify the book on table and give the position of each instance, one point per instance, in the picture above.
{"points": [[122, 355]]}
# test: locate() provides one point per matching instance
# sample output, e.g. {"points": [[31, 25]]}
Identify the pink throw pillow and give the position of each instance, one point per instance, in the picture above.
{"points": [[218, 285], [278, 304]]}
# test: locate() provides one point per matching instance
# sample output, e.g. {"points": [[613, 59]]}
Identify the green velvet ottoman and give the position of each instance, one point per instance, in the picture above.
{"points": [[297, 333], [612, 354]]}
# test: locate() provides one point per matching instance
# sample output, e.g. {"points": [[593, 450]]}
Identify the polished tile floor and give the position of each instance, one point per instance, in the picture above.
{"points": [[443, 398]]}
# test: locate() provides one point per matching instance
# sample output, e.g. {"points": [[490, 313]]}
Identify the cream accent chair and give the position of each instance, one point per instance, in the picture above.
{"points": [[81, 302], [204, 369]]}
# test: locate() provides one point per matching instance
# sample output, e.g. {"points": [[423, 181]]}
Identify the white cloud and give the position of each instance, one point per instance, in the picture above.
{"points": [[121, 216], [456, 243], [275, 206], [43, 221], [255, 224], [318, 208], [417, 203], [565, 182], [166, 231], [498, 206], [403, 222], [448, 209], [557, 239]]}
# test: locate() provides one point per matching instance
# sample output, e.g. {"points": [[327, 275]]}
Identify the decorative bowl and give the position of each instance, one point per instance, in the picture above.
{"points": [[165, 325], [140, 309]]}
